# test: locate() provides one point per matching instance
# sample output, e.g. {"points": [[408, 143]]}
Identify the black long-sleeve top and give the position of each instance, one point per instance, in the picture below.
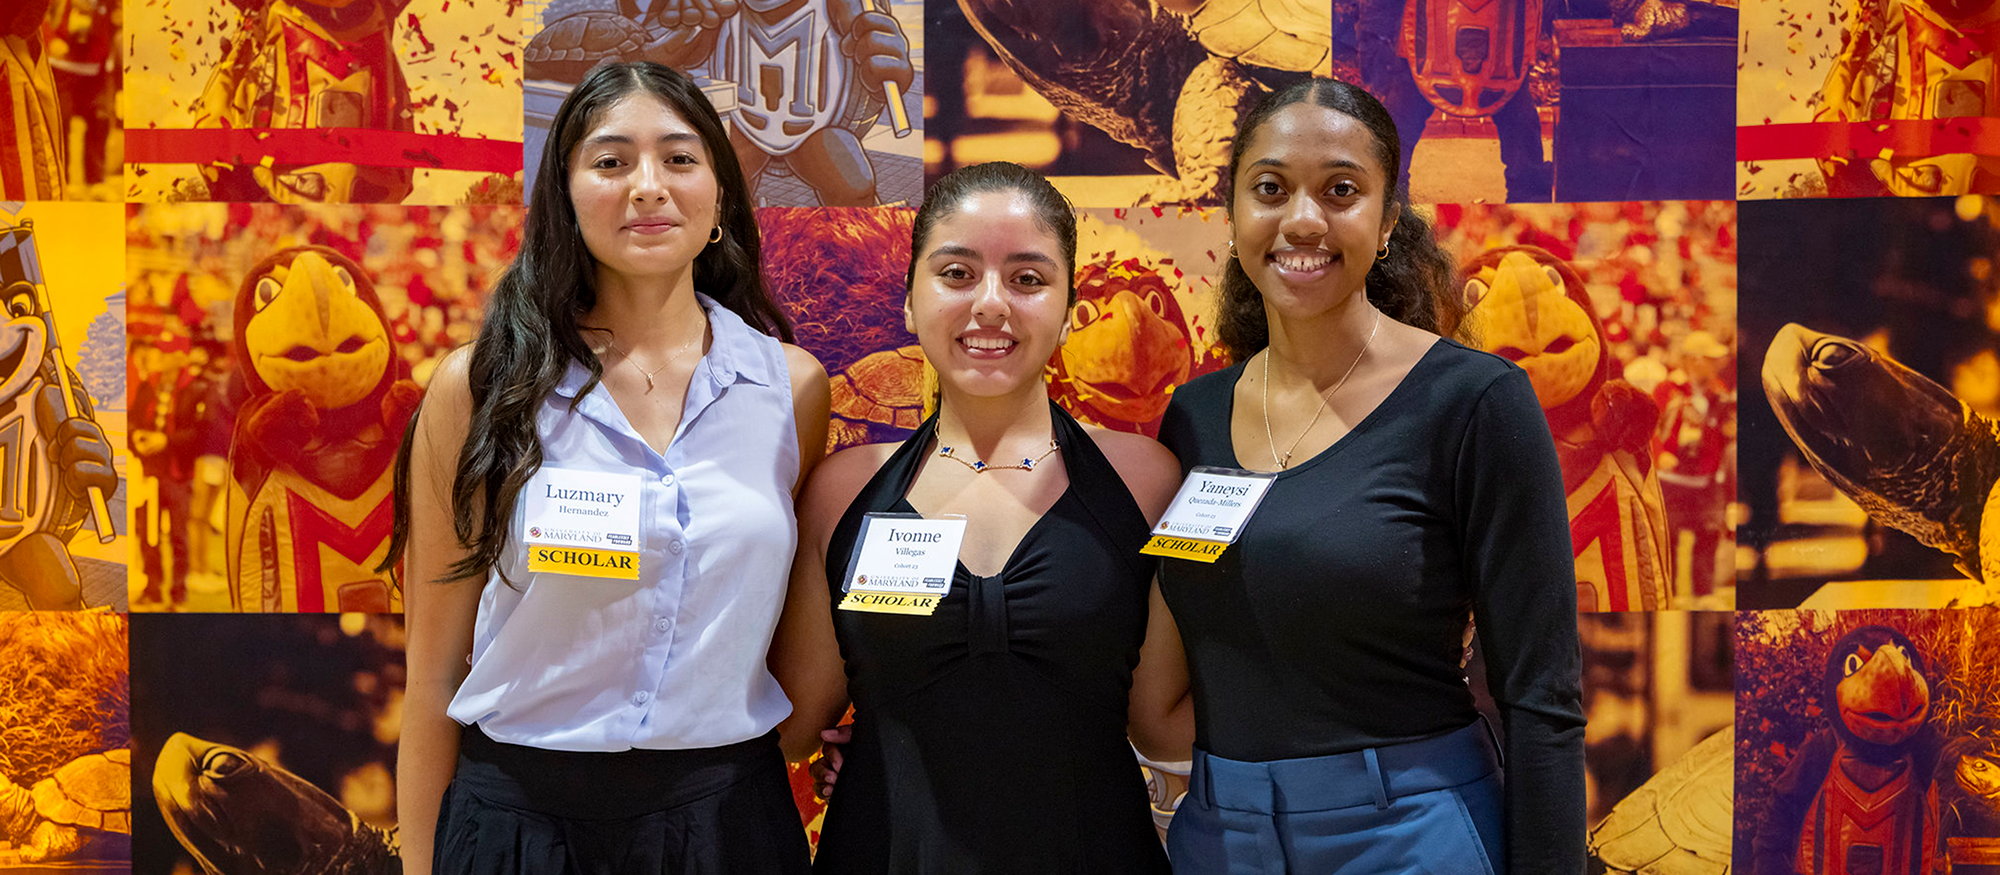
{"points": [[1336, 620]]}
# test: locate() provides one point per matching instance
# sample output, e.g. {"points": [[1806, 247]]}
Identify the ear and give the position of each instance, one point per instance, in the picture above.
{"points": [[1390, 216], [1069, 319], [909, 316]]}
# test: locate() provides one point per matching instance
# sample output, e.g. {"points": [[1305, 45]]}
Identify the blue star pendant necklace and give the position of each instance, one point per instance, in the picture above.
{"points": [[980, 466]]}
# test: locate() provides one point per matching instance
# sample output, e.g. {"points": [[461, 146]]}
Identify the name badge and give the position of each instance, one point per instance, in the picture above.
{"points": [[1208, 513], [583, 522], [902, 564]]}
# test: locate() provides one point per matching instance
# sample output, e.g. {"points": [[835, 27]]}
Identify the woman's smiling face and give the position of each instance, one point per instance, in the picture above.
{"points": [[990, 302], [1311, 206]]}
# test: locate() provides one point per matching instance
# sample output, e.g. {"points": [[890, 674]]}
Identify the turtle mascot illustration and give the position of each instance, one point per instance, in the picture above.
{"points": [[83, 811], [297, 65], [1127, 349], [1530, 307], [240, 815], [1859, 797], [808, 75], [1912, 455], [51, 455], [1677, 823], [326, 401], [1968, 783]]}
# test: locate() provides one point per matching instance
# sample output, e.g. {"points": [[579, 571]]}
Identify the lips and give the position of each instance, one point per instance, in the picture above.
{"points": [[651, 225], [1301, 263], [987, 345]]}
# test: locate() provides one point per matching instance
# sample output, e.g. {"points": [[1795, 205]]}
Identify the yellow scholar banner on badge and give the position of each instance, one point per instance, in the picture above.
{"points": [[890, 603], [583, 561], [1184, 548]]}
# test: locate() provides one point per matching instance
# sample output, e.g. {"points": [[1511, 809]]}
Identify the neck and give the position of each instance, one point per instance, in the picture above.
{"points": [[987, 426], [1320, 348], [651, 314]]}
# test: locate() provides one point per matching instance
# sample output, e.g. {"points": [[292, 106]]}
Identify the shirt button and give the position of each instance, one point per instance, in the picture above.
{"points": [[640, 697], [661, 624], [675, 547], [667, 479]]}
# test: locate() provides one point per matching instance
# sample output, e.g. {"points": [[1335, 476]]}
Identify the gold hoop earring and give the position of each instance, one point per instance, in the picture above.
{"points": [[715, 234], [1232, 250], [1382, 253]]}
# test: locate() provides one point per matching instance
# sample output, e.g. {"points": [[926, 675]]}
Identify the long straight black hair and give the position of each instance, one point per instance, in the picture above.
{"points": [[531, 334], [1411, 285]]}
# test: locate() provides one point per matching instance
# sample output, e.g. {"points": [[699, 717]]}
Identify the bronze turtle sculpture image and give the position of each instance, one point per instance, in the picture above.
{"points": [[1910, 453], [240, 815], [83, 810]]}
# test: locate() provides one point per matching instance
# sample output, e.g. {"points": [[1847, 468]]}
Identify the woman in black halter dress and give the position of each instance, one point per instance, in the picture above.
{"points": [[991, 736]]}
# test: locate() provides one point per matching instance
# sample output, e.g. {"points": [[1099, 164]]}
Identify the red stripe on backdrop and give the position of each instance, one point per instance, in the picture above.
{"points": [[365, 146], [1948, 136]]}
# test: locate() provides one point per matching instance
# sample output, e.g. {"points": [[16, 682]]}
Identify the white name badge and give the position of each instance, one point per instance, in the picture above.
{"points": [[1208, 513], [583, 522], [902, 563]]}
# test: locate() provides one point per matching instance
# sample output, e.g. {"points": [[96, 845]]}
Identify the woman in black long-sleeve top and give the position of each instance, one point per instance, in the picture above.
{"points": [[1415, 483]]}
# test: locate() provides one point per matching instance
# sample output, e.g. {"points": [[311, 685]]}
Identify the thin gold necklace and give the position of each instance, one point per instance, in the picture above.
{"points": [[1286, 461], [979, 466], [670, 359]]}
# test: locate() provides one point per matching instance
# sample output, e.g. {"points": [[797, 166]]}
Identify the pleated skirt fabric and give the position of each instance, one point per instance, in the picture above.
{"points": [[514, 810]]}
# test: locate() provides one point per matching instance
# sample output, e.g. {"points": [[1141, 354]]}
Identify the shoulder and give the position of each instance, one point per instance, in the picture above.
{"points": [[1208, 389], [805, 369], [836, 482], [450, 387], [1149, 470]]}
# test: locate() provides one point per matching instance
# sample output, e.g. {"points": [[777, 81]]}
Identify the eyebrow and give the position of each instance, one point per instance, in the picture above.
{"points": [[600, 139], [1328, 165], [968, 252]]}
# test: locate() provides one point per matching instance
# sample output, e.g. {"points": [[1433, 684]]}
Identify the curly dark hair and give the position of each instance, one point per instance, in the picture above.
{"points": [[1412, 285]]}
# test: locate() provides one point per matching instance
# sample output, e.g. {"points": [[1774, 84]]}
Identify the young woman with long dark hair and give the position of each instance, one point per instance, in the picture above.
{"points": [[588, 693], [1414, 482]]}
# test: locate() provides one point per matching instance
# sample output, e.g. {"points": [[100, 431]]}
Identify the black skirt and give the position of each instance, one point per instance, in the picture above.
{"points": [[713, 811]]}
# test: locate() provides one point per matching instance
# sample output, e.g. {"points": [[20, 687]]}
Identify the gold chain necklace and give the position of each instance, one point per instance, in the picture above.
{"points": [[979, 466], [1286, 460], [670, 359]]}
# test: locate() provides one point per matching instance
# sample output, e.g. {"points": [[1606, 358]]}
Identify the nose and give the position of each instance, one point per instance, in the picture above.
{"points": [[1304, 219], [649, 182], [989, 302]]}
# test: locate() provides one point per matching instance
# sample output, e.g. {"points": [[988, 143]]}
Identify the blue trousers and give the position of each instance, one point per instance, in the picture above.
{"points": [[1430, 806]]}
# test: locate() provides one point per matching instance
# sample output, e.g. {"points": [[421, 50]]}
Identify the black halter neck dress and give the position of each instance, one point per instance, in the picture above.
{"points": [[990, 736]]}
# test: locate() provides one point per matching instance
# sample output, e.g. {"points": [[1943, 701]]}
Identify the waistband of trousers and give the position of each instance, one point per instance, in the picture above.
{"points": [[1373, 775]]}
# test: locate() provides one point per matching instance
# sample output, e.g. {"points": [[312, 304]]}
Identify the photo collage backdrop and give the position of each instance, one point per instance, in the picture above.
{"points": [[227, 287]]}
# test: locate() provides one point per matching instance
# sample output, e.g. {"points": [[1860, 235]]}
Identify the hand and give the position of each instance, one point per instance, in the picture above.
{"points": [[399, 404], [280, 426], [826, 769], [82, 453], [691, 13], [880, 53], [1623, 416]]}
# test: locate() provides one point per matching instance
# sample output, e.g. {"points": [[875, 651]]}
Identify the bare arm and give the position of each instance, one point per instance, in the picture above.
{"points": [[805, 657], [438, 617], [811, 405], [1160, 712]]}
